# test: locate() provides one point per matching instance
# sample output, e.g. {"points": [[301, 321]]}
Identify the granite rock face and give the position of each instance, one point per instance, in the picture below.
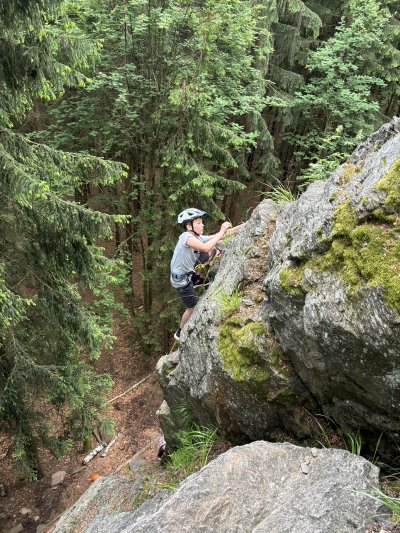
{"points": [[261, 487], [318, 323], [229, 369], [333, 287], [106, 495]]}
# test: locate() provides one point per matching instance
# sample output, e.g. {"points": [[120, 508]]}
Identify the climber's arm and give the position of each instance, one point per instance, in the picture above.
{"points": [[207, 246], [235, 229]]}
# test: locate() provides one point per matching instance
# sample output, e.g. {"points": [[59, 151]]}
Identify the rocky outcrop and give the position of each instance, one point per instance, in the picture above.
{"points": [[333, 287], [261, 487], [304, 312], [106, 495], [229, 370]]}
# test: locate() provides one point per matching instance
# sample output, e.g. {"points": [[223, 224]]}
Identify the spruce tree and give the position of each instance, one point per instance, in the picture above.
{"points": [[49, 394], [171, 98], [343, 87]]}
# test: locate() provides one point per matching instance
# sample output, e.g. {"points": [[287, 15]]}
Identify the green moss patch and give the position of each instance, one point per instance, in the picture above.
{"points": [[344, 220], [290, 280], [362, 254], [240, 347], [390, 183]]}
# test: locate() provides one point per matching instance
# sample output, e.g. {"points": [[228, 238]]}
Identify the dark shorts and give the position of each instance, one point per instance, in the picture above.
{"points": [[188, 296]]}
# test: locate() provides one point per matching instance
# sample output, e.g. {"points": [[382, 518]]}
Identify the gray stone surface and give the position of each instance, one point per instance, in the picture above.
{"points": [[106, 495], [119, 522], [335, 352], [196, 375], [261, 487], [344, 345], [57, 478]]}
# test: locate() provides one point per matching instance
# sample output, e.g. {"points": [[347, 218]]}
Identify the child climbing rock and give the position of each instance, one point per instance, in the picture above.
{"points": [[192, 249]]}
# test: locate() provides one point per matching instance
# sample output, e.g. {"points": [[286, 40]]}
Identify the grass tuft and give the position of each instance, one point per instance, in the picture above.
{"points": [[194, 448]]}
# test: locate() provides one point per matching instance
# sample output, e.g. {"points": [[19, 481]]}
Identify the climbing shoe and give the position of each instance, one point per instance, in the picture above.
{"points": [[177, 335]]}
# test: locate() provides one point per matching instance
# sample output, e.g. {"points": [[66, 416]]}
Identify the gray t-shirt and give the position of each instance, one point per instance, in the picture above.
{"points": [[185, 258]]}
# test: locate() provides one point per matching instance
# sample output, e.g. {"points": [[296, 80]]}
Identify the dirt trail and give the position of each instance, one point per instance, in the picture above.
{"points": [[136, 424]]}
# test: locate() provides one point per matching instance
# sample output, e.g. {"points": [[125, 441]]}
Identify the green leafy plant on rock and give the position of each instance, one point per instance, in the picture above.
{"points": [[228, 303], [281, 194], [390, 502], [353, 443]]}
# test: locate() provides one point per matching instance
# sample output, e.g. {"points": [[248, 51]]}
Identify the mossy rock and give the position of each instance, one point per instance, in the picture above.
{"points": [[241, 347], [280, 369], [290, 280], [348, 171], [360, 254], [390, 183]]}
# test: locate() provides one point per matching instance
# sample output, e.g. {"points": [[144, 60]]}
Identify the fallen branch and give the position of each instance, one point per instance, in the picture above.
{"points": [[138, 454], [96, 435], [130, 388], [109, 445], [93, 453]]}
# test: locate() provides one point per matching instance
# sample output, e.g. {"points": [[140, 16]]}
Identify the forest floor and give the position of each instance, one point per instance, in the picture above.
{"points": [[29, 505]]}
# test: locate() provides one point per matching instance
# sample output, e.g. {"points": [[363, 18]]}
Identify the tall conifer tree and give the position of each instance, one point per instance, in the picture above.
{"points": [[176, 84], [47, 244]]}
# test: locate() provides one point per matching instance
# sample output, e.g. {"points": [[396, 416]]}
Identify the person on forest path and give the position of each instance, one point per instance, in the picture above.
{"points": [[192, 249]]}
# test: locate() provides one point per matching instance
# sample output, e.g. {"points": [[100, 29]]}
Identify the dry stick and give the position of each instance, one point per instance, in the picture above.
{"points": [[138, 454], [130, 388], [107, 448]]}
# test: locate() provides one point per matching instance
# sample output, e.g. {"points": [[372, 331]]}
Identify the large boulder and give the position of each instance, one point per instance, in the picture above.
{"points": [[261, 487], [229, 370], [104, 496], [333, 287], [303, 315]]}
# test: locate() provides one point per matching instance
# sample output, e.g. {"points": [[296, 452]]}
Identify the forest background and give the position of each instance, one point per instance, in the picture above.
{"points": [[117, 114]]}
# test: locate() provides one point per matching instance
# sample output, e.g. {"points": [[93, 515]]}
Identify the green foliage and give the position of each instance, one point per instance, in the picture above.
{"points": [[353, 443], [41, 52], [281, 194], [340, 91], [228, 303], [49, 394], [375, 458], [326, 158], [185, 415], [171, 97], [390, 502], [192, 453], [327, 442]]}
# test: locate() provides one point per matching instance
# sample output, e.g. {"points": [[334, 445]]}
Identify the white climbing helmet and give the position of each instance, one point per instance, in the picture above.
{"points": [[190, 214]]}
